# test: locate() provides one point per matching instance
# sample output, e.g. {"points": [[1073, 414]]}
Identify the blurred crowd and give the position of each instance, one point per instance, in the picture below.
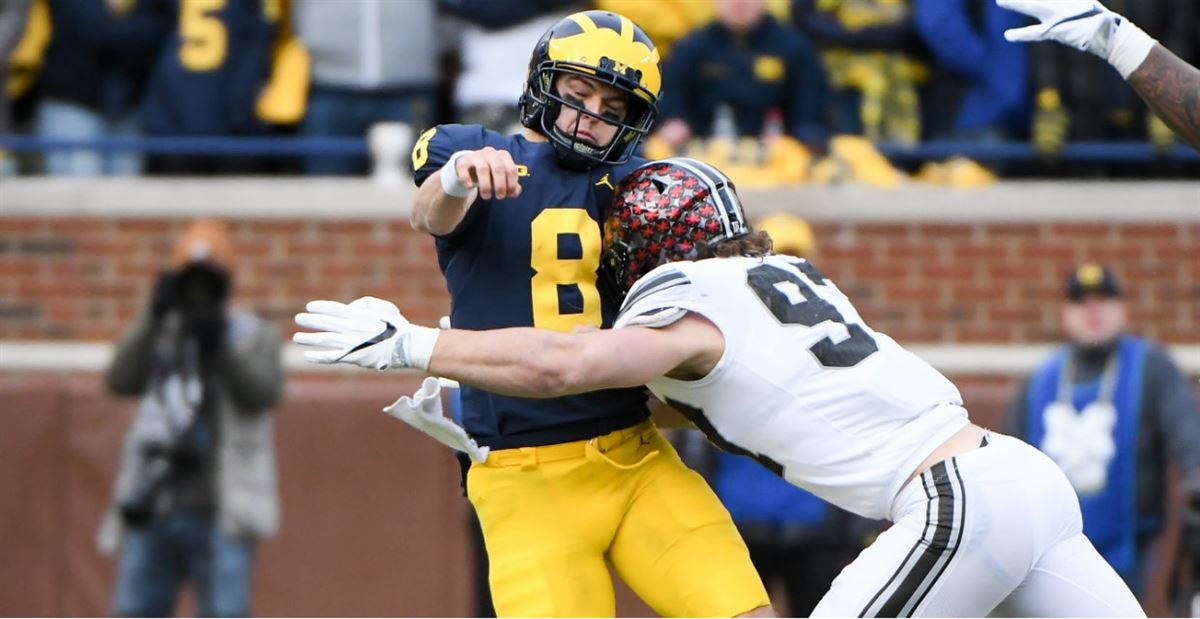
{"points": [[775, 91]]}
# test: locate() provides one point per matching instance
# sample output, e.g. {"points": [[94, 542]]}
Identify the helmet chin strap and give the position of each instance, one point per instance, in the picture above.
{"points": [[571, 159], [576, 141], [567, 147]]}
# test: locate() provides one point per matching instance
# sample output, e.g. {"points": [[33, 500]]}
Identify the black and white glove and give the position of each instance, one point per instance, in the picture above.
{"points": [[369, 332], [1085, 25]]}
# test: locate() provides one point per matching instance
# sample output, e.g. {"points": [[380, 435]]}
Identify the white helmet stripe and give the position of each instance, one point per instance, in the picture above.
{"points": [[729, 206], [694, 167]]}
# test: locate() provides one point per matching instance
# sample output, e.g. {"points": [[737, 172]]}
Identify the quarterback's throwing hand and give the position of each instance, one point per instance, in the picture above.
{"points": [[493, 171], [369, 332]]}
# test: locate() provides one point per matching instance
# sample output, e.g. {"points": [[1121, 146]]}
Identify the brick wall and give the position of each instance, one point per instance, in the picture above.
{"points": [[1002, 282], [83, 278]]}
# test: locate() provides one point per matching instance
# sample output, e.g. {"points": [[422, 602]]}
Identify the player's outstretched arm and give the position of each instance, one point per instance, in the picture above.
{"points": [[443, 198], [522, 362], [1171, 87], [1168, 84], [537, 363]]}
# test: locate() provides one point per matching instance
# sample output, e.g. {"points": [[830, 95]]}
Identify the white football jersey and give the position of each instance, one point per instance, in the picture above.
{"points": [[804, 385]]}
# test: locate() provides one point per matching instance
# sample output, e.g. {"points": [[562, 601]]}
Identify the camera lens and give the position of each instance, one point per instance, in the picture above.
{"points": [[203, 285]]}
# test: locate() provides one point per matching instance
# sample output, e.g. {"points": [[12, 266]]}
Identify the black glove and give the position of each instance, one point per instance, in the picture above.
{"points": [[165, 294]]}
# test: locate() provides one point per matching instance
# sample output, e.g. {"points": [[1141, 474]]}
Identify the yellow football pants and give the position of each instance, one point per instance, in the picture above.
{"points": [[552, 515]]}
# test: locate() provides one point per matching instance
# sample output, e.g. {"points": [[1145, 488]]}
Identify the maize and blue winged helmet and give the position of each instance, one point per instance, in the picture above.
{"points": [[606, 47]]}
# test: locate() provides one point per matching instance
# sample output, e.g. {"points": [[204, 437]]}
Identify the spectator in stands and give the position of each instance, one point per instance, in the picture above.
{"points": [[871, 52], [223, 71], [1080, 98], [795, 539], [13, 15], [966, 40], [496, 32], [196, 485], [1112, 409], [865, 25], [665, 21], [740, 74], [93, 77], [373, 61]]}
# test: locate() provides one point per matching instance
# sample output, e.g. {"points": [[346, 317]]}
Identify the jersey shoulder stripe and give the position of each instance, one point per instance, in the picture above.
{"points": [[662, 297], [653, 283]]}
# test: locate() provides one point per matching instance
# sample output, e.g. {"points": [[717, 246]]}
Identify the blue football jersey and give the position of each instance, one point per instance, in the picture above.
{"points": [[212, 69], [530, 261]]}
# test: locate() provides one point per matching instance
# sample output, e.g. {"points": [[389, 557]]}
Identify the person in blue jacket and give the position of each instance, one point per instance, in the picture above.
{"points": [[93, 77], [1112, 409], [965, 39], [745, 67]]}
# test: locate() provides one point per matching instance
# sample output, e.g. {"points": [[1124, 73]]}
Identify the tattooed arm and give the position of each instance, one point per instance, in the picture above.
{"points": [[1171, 87]]}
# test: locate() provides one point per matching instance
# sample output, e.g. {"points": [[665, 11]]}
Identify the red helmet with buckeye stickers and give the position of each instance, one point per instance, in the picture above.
{"points": [[665, 211]]}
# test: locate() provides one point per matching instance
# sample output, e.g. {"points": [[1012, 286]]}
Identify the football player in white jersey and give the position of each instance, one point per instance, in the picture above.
{"points": [[765, 355]]}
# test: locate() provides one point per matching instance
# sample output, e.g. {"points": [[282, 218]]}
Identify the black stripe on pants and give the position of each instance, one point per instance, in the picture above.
{"points": [[916, 578]]}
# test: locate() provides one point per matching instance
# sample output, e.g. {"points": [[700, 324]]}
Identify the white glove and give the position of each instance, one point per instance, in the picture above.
{"points": [[423, 411], [368, 332], [1085, 25]]}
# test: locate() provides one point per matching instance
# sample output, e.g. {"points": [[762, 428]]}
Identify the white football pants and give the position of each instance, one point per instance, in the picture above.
{"points": [[996, 529]]}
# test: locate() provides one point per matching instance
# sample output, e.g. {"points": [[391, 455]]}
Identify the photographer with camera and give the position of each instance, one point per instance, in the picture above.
{"points": [[196, 485]]}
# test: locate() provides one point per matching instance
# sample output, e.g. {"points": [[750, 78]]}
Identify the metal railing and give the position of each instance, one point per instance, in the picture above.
{"points": [[998, 152], [205, 145]]}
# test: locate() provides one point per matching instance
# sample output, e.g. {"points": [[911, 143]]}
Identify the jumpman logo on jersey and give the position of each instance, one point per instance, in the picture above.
{"points": [[604, 181]]}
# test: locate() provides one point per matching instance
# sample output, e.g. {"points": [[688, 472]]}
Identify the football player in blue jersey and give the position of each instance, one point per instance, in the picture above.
{"points": [[570, 482]]}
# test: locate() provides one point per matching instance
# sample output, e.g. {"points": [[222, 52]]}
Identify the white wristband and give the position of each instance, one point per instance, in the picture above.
{"points": [[417, 348], [451, 185], [1129, 48]]}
